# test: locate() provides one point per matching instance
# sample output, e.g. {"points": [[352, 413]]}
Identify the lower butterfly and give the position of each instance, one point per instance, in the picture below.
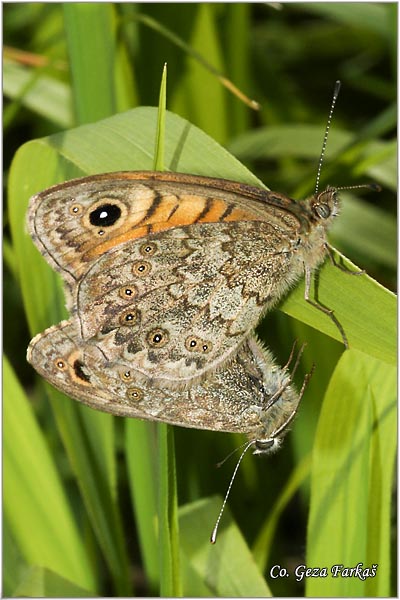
{"points": [[250, 394]]}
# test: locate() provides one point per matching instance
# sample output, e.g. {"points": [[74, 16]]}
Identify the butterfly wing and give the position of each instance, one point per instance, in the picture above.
{"points": [[75, 222], [235, 399], [179, 304]]}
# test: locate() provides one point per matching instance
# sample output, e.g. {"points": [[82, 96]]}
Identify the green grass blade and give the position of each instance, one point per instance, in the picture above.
{"points": [[160, 134], [374, 17], [227, 567], [95, 482], [141, 463], [87, 435], [262, 547], [201, 89], [44, 95], [352, 478], [44, 583], [14, 565], [90, 31], [34, 502], [100, 434], [171, 585]]}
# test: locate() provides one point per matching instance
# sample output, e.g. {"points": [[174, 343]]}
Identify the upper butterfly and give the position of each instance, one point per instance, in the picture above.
{"points": [[172, 271]]}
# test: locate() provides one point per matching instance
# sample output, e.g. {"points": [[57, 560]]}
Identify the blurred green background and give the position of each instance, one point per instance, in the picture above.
{"points": [[68, 65]]}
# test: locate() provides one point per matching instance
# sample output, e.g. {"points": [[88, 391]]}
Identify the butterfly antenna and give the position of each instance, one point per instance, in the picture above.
{"points": [[374, 187], [213, 537], [328, 124], [223, 461]]}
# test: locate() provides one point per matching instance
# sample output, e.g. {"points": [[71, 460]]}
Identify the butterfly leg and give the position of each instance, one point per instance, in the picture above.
{"points": [[327, 311], [338, 265]]}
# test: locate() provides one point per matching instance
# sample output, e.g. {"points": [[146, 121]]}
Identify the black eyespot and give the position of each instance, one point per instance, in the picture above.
{"points": [[126, 375], [105, 215], [141, 268], [60, 364], [79, 372], [76, 209], [195, 344], [128, 292], [129, 317], [135, 394], [157, 338], [148, 249]]}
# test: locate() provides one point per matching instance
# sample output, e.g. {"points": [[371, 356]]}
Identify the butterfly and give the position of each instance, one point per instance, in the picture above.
{"points": [[172, 272], [250, 394]]}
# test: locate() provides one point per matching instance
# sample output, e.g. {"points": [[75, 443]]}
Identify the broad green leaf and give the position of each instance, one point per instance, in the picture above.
{"points": [[352, 478], [364, 308], [299, 140]]}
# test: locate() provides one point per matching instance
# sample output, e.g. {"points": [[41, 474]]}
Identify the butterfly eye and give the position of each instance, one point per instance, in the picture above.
{"points": [[141, 268], [148, 249], [127, 292], [135, 394], [157, 338], [263, 446], [76, 209], [322, 210], [195, 344], [129, 317], [60, 364], [105, 215]]}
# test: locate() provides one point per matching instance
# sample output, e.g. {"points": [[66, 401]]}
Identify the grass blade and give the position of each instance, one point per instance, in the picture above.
{"points": [[140, 441], [168, 514], [34, 502], [43, 583], [160, 133], [227, 568], [352, 478], [90, 31]]}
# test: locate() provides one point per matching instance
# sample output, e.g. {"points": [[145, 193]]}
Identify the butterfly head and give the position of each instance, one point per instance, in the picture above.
{"points": [[324, 206], [276, 416]]}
